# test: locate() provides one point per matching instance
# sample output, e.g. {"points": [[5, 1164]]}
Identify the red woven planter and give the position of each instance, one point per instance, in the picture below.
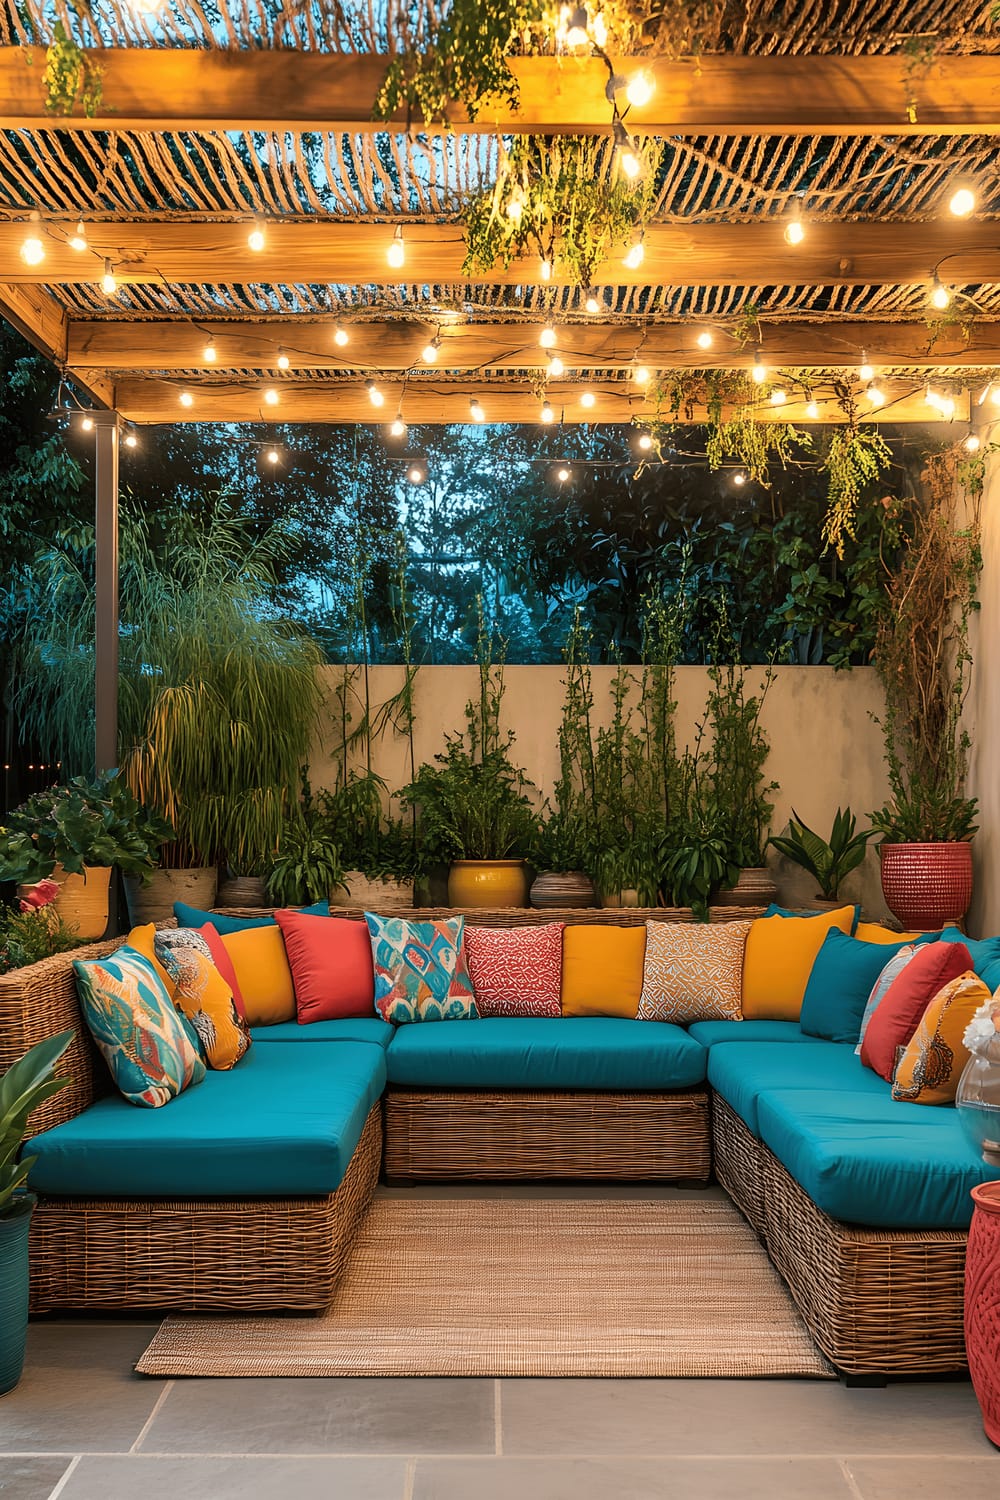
{"points": [[982, 1305], [927, 885]]}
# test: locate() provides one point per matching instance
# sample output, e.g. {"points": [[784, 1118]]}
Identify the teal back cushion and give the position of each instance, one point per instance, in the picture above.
{"points": [[839, 985], [985, 954], [190, 916]]}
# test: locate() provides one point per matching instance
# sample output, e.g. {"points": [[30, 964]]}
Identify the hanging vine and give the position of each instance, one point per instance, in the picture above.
{"points": [[739, 438], [552, 198], [855, 457], [70, 77]]}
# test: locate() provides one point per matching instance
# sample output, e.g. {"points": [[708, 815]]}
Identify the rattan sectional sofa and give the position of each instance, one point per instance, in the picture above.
{"points": [[878, 1300]]}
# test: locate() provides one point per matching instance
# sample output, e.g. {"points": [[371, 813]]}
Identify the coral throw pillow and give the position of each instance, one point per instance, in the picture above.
{"points": [[420, 970], [222, 962], [331, 963], [896, 965], [929, 1069], [516, 971], [204, 996], [262, 974], [131, 1014], [932, 967], [602, 970], [693, 971], [779, 957]]}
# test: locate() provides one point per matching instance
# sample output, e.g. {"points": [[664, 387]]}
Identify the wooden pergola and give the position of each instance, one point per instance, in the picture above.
{"points": [[860, 116]]}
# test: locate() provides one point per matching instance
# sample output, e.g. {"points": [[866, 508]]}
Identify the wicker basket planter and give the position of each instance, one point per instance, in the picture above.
{"points": [[372, 895], [754, 887], [155, 902], [982, 1305], [569, 888], [927, 885]]}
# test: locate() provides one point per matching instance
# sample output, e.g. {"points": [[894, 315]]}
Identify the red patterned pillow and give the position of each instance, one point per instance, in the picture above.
{"points": [[516, 971]]}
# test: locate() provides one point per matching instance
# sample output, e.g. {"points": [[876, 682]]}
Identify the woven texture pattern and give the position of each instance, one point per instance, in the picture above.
{"points": [[533, 1287], [737, 1156], [692, 973], [517, 972], [493, 1136], [927, 885], [982, 1306]]}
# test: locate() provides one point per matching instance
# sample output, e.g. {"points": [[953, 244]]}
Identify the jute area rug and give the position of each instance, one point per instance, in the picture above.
{"points": [[490, 1287]]}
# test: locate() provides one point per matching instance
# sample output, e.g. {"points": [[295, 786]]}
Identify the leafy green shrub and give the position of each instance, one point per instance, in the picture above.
{"points": [[98, 823]]}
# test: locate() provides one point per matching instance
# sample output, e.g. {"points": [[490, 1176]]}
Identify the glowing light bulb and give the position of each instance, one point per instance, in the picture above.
{"points": [[396, 253], [415, 474], [972, 443], [210, 354], [640, 375], [599, 30], [375, 396], [940, 295], [587, 398], [635, 255], [812, 411], [556, 367], [592, 306], [645, 441], [272, 455], [947, 408], [109, 283], [547, 414], [78, 241], [758, 371], [476, 411], [130, 440], [340, 336], [545, 269], [270, 396], [257, 239], [739, 477], [631, 165], [547, 337], [429, 352], [515, 208], [87, 424], [32, 251], [640, 88], [932, 398], [284, 363], [794, 231], [875, 395], [564, 474], [778, 396], [186, 398], [995, 395], [398, 428], [962, 203], [704, 339]]}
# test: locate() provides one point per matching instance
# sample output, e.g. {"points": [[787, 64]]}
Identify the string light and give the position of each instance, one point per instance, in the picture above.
{"points": [[564, 475], [257, 239], [415, 474], [758, 370], [961, 204], [640, 88], [972, 443], [635, 254], [547, 414], [515, 206], [78, 241], [283, 361], [87, 424], [556, 367], [865, 371], [545, 269], [32, 249], [576, 26], [396, 253], [587, 398], [271, 396], [547, 337], [875, 394], [186, 398], [795, 230], [947, 408], [812, 410], [593, 306], [995, 395], [375, 396], [739, 477], [932, 398], [645, 441], [630, 163], [476, 411], [778, 396], [640, 375], [210, 353], [940, 294], [398, 427], [430, 351], [272, 455], [340, 336], [109, 283], [130, 440], [704, 339]]}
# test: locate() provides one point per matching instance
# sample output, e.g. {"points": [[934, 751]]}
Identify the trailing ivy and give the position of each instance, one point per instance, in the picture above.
{"points": [[70, 77], [855, 458]]}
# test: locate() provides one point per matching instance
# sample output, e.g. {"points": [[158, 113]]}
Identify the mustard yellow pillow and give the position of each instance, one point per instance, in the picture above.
{"points": [[874, 932], [602, 970], [929, 1069], [143, 940], [263, 977], [693, 971], [204, 996], [779, 956]]}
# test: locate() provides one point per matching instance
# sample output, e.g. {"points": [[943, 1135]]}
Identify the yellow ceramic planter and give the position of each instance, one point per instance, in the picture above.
{"points": [[82, 902], [488, 882]]}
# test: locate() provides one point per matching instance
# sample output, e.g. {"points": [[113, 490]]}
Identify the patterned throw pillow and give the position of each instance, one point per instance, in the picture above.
{"points": [[516, 971], [134, 1022], [929, 1069], [203, 996], [693, 971], [896, 965], [420, 970]]}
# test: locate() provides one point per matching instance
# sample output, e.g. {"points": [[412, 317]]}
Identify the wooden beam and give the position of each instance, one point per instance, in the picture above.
{"points": [[353, 252], [217, 89], [397, 344], [39, 319], [432, 401]]}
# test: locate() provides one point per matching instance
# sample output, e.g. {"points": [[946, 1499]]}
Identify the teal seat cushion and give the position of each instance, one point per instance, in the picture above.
{"points": [[283, 1123], [840, 981], [865, 1159], [193, 916], [710, 1033], [343, 1029], [985, 954], [546, 1052], [742, 1073]]}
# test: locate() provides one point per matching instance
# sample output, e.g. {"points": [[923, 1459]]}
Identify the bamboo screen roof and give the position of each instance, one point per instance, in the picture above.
{"points": [[178, 160]]}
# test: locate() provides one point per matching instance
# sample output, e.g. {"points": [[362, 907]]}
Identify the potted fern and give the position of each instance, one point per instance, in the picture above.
{"points": [[827, 861], [23, 1087]]}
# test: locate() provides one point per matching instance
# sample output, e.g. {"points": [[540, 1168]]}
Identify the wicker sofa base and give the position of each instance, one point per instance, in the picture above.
{"points": [[245, 1256], [877, 1301], [489, 1136]]}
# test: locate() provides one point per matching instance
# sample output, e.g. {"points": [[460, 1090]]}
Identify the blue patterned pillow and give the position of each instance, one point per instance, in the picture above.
{"points": [[145, 1042], [420, 970]]}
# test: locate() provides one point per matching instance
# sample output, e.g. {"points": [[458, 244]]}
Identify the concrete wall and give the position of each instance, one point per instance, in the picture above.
{"points": [[983, 711], [825, 750]]}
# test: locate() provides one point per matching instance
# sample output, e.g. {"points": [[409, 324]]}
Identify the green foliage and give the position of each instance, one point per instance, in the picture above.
{"points": [[855, 458], [96, 823], [28, 936], [27, 1083], [551, 197], [697, 867], [829, 861], [753, 444], [306, 867], [353, 817], [731, 786], [70, 77]]}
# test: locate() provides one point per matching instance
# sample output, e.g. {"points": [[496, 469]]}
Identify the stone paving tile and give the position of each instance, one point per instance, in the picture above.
{"points": [[236, 1479], [943, 1477], [630, 1479], [29, 1478]]}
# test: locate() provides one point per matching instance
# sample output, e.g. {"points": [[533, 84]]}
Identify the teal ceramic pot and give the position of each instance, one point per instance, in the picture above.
{"points": [[14, 1229]]}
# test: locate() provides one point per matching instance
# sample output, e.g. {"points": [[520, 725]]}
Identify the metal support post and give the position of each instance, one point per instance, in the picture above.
{"points": [[106, 613]]}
